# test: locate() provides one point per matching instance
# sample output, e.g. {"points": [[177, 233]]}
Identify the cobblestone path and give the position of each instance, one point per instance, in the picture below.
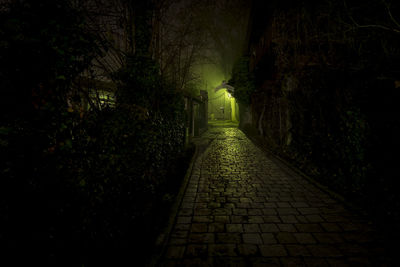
{"points": [[242, 209]]}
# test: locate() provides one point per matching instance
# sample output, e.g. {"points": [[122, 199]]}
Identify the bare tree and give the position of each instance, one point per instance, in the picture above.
{"points": [[388, 22], [226, 25]]}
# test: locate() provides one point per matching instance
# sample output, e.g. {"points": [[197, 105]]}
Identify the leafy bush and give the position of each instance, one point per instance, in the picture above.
{"points": [[81, 188], [242, 80], [44, 46], [330, 103]]}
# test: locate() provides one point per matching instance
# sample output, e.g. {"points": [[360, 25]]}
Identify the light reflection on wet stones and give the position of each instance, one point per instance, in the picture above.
{"points": [[241, 207]]}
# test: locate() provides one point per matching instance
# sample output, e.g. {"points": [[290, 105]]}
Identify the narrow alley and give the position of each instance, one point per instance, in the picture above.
{"points": [[199, 133], [241, 208]]}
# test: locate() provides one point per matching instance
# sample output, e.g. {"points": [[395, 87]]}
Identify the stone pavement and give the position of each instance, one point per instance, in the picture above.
{"points": [[242, 209]]}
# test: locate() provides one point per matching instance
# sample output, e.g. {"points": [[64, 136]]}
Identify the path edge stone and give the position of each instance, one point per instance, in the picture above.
{"points": [[163, 238], [292, 170]]}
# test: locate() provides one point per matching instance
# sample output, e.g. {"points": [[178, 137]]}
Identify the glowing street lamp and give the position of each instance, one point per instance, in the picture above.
{"points": [[229, 88]]}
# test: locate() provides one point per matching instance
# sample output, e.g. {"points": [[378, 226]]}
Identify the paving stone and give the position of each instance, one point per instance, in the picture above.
{"points": [[184, 219], [292, 262], [286, 238], [213, 205], [348, 227], [186, 212], [288, 219], [358, 261], [298, 250], [231, 206], [269, 228], [196, 251], [196, 262], [286, 227], [314, 218], [233, 238], [255, 212], [247, 249], [260, 200], [333, 262], [301, 219], [242, 209], [203, 219], [308, 227], [361, 238], [353, 250], [299, 204], [288, 211], [180, 234], [232, 199], [188, 199], [221, 218], [202, 212], [273, 250], [201, 238], [200, 205], [334, 218], [181, 227], [175, 252], [315, 262], [244, 200], [216, 227], [324, 251], [239, 212], [308, 211], [188, 205], [178, 241], [222, 211], [304, 238], [271, 219], [251, 228], [252, 239], [234, 228], [328, 238], [331, 227], [222, 250], [268, 238], [228, 261], [199, 228], [262, 262], [269, 211], [283, 205]]}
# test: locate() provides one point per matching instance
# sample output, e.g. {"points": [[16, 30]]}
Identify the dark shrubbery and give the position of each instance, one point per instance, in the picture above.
{"points": [[81, 188], [242, 80], [329, 103]]}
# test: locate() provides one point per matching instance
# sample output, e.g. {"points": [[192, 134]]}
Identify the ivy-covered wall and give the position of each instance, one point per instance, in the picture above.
{"points": [[243, 82], [326, 98]]}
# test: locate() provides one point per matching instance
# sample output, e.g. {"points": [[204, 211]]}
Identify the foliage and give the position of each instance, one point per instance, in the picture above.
{"points": [[138, 81], [330, 100], [44, 46], [95, 180], [140, 84], [242, 80], [125, 178], [329, 131]]}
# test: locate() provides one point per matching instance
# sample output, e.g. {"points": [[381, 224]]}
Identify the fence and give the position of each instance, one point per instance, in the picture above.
{"points": [[197, 114]]}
